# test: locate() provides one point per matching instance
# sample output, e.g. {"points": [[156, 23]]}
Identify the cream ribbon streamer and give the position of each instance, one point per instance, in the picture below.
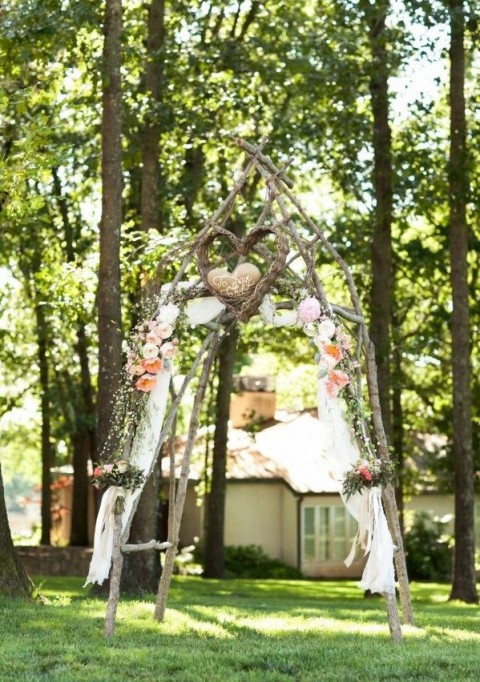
{"points": [[373, 535], [143, 451], [103, 540]]}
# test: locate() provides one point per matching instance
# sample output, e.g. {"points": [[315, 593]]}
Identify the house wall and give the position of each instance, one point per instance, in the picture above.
{"points": [[262, 514], [436, 504]]}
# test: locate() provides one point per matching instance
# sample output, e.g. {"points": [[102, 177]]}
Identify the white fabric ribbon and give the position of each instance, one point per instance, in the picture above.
{"points": [[373, 535], [144, 448], [103, 540]]}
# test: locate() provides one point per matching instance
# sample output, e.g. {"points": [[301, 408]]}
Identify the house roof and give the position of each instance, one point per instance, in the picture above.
{"points": [[289, 450], [293, 451]]}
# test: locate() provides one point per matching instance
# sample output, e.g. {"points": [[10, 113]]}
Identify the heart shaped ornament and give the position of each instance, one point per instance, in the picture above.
{"points": [[237, 284]]}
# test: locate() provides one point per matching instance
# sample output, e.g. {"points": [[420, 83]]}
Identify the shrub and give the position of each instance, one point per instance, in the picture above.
{"points": [[250, 561], [428, 549]]}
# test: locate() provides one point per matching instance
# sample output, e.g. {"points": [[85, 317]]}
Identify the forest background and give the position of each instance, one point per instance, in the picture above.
{"points": [[377, 103]]}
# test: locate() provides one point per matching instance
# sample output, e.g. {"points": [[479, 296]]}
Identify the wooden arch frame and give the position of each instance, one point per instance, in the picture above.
{"points": [[281, 206]]}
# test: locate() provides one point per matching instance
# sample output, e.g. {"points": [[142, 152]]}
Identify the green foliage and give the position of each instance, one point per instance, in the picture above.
{"points": [[250, 561], [429, 551]]}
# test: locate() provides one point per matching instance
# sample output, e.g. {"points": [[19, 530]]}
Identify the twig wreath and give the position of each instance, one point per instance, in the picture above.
{"points": [[273, 275]]}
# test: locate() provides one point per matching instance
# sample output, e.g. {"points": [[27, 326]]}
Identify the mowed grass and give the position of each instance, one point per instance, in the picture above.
{"points": [[236, 630]]}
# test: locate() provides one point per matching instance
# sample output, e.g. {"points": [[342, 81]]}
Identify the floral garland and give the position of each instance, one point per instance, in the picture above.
{"points": [[153, 348], [368, 472], [331, 350], [120, 473], [334, 347]]}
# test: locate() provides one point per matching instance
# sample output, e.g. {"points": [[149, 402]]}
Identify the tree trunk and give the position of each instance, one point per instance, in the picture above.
{"points": [[14, 581], [154, 70], [81, 453], [381, 247], [46, 444], [214, 540], [109, 303], [82, 431], [141, 570], [463, 584]]}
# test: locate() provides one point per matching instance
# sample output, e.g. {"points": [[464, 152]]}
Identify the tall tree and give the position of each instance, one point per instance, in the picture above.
{"points": [[14, 581], [214, 539], [109, 300], [141, 570], [381, 245], [463, 584]]}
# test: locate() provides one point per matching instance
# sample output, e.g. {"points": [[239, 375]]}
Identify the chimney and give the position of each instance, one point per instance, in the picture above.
{"points": [[253, 401]]}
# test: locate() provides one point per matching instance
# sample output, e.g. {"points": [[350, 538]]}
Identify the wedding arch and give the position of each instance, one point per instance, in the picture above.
{"points": [[282, 283]]}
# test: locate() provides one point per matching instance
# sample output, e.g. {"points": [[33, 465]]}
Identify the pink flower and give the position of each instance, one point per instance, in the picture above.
{"points": [[336, 381], [153, 337], [150, 350], [309, 310], [164, 330], [344, 340], [152, 365], [135, 370], [108, 468], [97, 472], [168, 349], [363, 471], [146, 383]]}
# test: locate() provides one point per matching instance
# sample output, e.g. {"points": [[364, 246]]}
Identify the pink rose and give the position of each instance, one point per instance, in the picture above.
{"points": [[97, 472], [309, 310], [135, 370], [164, 330], [363, 471], [108, 468], [168, 349], [154, 337]]}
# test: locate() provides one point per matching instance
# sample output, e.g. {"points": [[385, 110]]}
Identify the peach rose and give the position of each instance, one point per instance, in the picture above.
{"points": [[152, 365], [336, 381], [146, 383]]}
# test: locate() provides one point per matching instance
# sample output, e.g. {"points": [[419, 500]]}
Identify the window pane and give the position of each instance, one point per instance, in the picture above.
{"points": [[309, 549], [339, 533], [324, 534], [308, 521]]}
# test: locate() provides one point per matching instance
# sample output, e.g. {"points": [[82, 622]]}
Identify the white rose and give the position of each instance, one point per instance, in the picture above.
{"points": [[326, 329], [122, 466], [168, 313], [150, 350], [310, 328]]}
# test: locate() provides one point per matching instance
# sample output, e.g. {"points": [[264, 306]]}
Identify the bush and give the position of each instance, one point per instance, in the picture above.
{"points": [[250, 561], [428, 550]]}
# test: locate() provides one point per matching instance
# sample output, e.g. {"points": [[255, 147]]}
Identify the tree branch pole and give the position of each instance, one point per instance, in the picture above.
{"points": [[115, 577], [388, 497], [177, 511]]}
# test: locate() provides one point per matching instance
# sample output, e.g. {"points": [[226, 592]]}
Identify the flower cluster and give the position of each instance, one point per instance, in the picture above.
{"points": [[332, 343], [120, 473], [153, 348], [368, 472]]}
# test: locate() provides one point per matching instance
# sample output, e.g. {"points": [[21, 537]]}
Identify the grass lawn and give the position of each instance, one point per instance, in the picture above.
{"points": [[236, 630]]}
